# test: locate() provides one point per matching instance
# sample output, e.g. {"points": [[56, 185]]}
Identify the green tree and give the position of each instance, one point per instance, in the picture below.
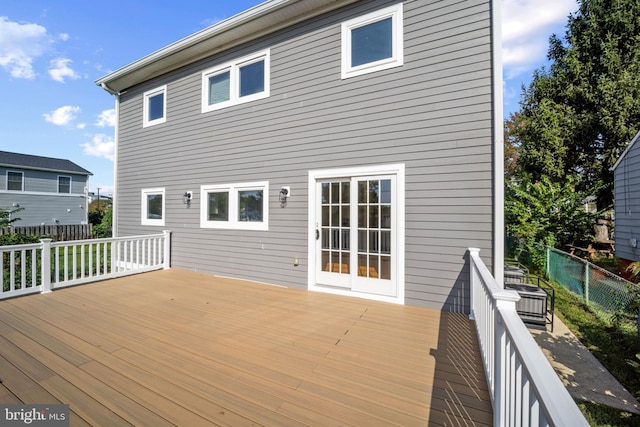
{"points": [[579, 115], [546, 212], [511, 146], [7, 216]]}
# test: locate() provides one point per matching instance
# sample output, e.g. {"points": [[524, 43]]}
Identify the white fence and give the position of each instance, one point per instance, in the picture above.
{"points": [[42, 267], [524, 388]]}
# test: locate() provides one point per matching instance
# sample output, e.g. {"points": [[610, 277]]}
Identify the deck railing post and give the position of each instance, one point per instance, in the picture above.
{"points": [[167, 249], [45, 268], [587, 276], [504, 300], [472, 282]]}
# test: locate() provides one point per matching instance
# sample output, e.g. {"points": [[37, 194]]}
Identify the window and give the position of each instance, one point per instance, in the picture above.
{"points": [[15, 181], [155, 107], [372, 42], [244, 80], [153, 206], [64, 184], [235, 206]]}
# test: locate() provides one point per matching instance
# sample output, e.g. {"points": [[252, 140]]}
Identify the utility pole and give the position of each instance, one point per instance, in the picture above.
{"points": [[98, 200]]}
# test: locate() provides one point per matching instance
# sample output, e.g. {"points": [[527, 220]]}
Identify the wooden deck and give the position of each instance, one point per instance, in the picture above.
{"points": [[181, 348]]}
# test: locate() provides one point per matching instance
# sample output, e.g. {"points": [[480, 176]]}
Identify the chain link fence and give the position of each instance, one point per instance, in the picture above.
{"points": [[605, 293]]}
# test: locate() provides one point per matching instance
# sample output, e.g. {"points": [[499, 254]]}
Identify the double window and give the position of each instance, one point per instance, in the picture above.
{"points": [[64, 184], [244, 80], [155, 107], [15, 181], [153, 201], [235, 206], [372, 42]]}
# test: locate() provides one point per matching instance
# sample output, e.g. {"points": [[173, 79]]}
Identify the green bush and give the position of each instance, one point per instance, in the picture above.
{"points": [[104, 228]]}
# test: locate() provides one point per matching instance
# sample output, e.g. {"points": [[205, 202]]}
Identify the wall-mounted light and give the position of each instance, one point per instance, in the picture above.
{"points": [[285, 193], [186, 197]]}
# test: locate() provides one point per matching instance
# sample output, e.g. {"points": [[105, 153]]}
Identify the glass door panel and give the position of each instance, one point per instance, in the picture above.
{"points": [[375, 249], [335, 233], [359, 209]]}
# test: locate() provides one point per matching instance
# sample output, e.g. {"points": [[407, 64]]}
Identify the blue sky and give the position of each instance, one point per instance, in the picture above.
{"points": [[52, 51]]}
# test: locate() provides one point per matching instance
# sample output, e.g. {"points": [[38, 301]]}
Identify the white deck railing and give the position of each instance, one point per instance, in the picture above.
{"points": [[41, 267], [524, 388]]}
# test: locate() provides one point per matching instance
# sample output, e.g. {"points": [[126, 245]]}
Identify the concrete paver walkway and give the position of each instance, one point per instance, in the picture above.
{"points": [[582, 374]]}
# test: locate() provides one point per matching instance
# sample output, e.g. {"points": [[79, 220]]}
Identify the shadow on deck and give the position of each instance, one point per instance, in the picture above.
{"points": [[180, 348]]}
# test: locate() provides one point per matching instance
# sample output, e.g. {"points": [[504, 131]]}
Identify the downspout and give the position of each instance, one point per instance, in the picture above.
{"points": [[114, 206], [498, 149]]}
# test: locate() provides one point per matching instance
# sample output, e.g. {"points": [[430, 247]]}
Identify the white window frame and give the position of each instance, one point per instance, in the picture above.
{"points": [[234, 84], [7, 180], [147, 96], [70, 183], [397, 33], [233, 223], [143, 214]]}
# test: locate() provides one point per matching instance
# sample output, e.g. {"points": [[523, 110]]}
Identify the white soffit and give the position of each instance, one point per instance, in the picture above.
{"points": [[258, 21]]}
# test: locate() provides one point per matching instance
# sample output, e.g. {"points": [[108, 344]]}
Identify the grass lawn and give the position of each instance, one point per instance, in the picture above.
{"points": [[614, 346]]}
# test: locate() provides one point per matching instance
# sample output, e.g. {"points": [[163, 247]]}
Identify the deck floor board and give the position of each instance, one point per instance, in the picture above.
{"points": [[180, 348]]}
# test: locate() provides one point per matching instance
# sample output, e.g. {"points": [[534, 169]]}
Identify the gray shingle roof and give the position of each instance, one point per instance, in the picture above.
{"points": [[28, 161]]}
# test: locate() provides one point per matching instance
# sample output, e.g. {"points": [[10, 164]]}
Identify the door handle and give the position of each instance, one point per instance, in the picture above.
{"points": [[317, 234]]}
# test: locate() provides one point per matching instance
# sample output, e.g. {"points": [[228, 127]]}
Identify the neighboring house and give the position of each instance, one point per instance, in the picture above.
{"points": [[351, 147], [47, 190], [626, 195]]}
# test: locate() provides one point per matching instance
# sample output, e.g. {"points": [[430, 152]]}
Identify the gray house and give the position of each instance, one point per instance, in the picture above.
{"points": [[48, 190], [626, 183], [342, 146]]}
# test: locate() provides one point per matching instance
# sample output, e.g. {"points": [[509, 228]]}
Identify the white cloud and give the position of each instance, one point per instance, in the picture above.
{"points": [[107, 118], [63, 36], [20, 45], [526, 28], [59, 70], [100, 146], [63, 116]]}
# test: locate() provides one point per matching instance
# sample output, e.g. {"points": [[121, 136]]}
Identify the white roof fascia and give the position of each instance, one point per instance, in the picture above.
{"points": [[626, 150], [262, 19]]}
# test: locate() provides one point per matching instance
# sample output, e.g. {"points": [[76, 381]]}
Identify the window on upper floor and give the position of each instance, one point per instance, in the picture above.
{"points": [[15, 181], [244, 80], [235, 206], [153, 202], [372, 42], [155, 107], [64, 184]]}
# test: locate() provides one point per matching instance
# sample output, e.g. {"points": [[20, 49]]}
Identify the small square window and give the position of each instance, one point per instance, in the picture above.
{"points": [[252, 78], [153, 203], [235, 206], [15, 181], [372, 42], [244, 80], [219, 86], [250, 204], [64, 184], [218, 206], [155, 107]]}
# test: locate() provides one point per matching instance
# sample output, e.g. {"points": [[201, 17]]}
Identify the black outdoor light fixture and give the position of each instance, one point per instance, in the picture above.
{"points": [[186, 197], [285, 193]]}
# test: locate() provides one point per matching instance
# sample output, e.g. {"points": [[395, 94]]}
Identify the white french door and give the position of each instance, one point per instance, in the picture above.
{"points": [[356, 234]]}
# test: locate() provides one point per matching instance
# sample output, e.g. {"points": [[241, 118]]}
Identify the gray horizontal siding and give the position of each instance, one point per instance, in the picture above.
{"points": [[627, 205], [45, 209], [43, 181], [433, 114]]}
